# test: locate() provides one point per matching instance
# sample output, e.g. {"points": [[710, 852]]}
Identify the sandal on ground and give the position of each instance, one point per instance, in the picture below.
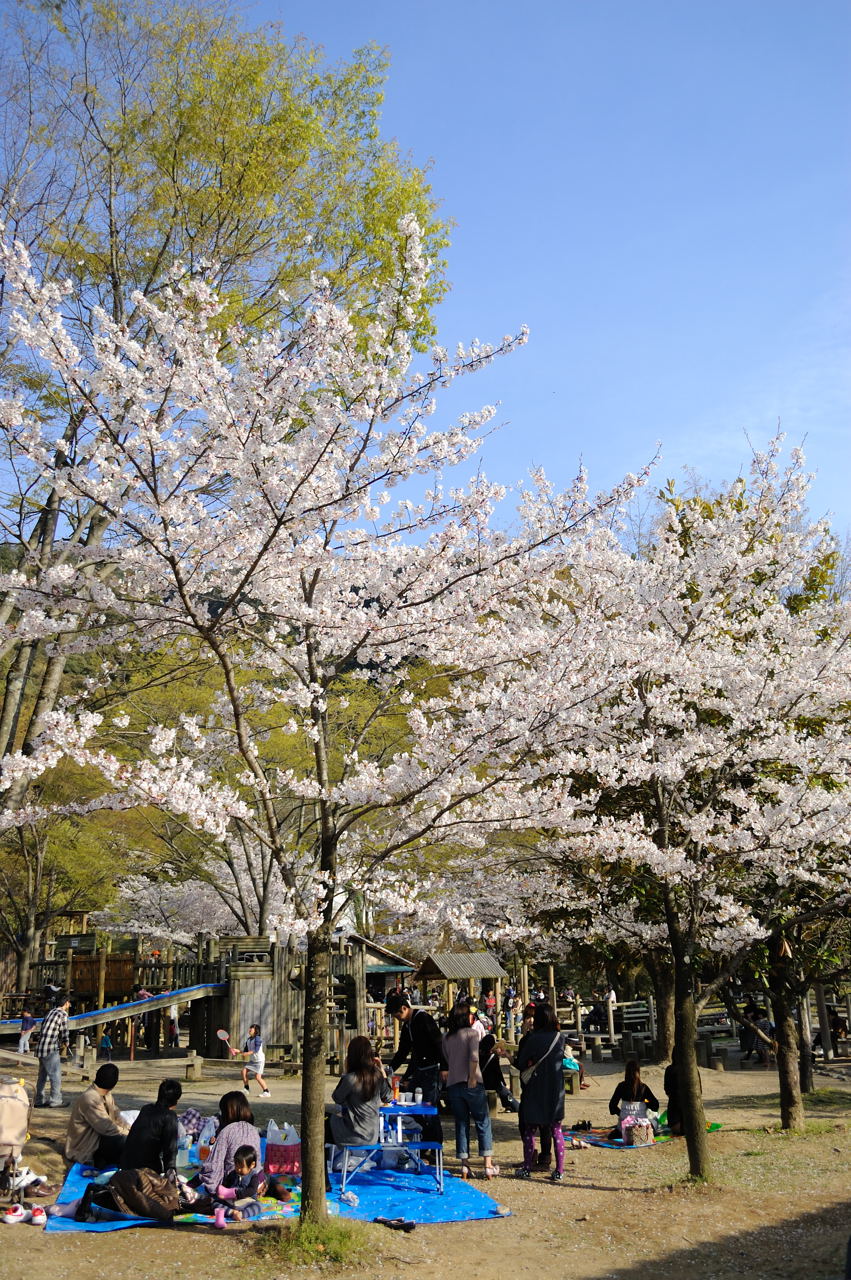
{"points": [[465, 1171], [523, 1173], [492, 1172], [396, 1224]]}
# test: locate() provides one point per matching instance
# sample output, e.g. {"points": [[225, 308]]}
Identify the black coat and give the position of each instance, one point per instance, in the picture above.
{"points": [[420, 1039], [152, 1140], [542, 1098], [622, 1094]]}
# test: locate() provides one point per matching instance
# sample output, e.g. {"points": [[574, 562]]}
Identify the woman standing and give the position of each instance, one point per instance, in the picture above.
{"points": [[466, 1091], [539, 1057]]}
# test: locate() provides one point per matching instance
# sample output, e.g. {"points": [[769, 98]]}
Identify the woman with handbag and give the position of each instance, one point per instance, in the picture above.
{"points": [[465, 1089], [539, 1061]]}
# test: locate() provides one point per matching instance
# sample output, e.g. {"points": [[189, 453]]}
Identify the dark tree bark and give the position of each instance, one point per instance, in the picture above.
{"points": [[685, 1021], [781, 983], [661, 975], [313, 1205]]}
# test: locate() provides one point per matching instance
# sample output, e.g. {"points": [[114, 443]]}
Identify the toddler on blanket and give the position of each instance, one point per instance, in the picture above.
{"points": [[240, 1188]]}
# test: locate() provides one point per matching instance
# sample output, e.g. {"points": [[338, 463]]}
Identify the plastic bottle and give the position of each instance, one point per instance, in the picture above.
{"points": [[395, 1084]]}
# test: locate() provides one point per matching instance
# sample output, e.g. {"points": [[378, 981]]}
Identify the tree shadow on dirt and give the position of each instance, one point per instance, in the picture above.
{"points": [[811, 1246], [821, 1100]]}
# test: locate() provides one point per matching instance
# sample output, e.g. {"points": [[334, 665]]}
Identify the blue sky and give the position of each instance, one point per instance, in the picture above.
{"points": [[660, 190]]}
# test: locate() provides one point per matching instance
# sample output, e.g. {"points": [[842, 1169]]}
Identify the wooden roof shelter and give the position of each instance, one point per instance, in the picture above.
{"points": [[460, 966]]}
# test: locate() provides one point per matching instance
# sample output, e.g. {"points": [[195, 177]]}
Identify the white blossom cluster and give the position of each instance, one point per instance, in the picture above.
{"points": [[664, 731]]}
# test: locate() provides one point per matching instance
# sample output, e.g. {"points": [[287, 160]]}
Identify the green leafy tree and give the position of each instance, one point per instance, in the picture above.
{"points": [[137, 136]]}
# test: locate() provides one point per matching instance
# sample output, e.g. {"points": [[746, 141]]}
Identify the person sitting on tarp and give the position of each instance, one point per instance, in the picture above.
{"points": [[153, 1138], [631, 1096], [96, 1131], [420, 1046]]}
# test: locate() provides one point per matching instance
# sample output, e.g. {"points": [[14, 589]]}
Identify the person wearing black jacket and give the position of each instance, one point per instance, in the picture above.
{"points": [[420, 1045], [152, 1140], [631, 1089]]}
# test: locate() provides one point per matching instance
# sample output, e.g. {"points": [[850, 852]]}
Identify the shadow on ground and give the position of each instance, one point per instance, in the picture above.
{"points": [[813, 1245]]}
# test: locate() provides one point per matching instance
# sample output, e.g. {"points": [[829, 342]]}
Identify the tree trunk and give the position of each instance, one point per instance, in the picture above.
{"points": [[805, 1066], [788, 1064], [25, 955], [662, 977], [788, 1048], [691, 1097], [685, 1023], [313, 1204], [823, 1022]]}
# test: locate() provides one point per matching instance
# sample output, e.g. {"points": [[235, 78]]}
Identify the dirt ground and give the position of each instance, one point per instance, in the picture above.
{"points": [[777, 1205]]}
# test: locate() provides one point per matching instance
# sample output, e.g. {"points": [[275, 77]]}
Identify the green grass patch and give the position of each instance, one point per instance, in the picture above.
{"points": [[336, 1242]]}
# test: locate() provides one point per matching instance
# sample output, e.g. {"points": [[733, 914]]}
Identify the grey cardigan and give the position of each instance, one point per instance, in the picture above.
{"points": [[358, 1125]]}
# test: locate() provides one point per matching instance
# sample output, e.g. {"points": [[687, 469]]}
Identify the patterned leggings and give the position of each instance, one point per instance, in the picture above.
{"points": [[528, 1136]]}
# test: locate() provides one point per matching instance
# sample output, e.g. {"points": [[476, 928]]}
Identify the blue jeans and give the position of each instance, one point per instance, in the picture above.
{"points": [[49, 1070], [469, 1104]]}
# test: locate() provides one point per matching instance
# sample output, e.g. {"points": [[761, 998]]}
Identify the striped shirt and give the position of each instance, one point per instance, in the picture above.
{"points": [[54, 1032]]}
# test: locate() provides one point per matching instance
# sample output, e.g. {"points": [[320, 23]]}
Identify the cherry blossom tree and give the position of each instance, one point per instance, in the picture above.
{"points": [[275, 504], [719, 778], [708, 813]]}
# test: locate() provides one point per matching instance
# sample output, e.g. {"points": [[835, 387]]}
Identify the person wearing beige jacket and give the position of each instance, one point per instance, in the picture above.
{"points": [[96, 1132]]}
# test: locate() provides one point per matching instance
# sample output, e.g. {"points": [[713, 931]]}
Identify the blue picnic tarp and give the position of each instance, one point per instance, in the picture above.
{"points": [[388, 1193]]}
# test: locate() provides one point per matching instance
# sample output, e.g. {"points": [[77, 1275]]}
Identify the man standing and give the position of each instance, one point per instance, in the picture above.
{"points": [[420, 1043], [152, 1141], [52, 1041], [96, 1132]]}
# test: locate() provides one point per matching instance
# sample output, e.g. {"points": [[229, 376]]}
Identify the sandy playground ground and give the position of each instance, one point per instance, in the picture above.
{"points": [[777, 1206]]}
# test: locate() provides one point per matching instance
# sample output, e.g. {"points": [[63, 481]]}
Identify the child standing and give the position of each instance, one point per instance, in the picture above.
{"points": [[240, 1188], [253, 1048], [27, 1024]]}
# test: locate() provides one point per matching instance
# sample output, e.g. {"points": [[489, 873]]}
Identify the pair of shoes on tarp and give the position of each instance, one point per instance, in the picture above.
{"points": [[396, 1224]]}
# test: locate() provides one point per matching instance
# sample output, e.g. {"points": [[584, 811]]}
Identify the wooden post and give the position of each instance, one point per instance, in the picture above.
{"points": [[610, 1018], [497, 1008], [102, 955], [524, 983], [551, 984], [69, 969], [359, 968], [131, 1037]]}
